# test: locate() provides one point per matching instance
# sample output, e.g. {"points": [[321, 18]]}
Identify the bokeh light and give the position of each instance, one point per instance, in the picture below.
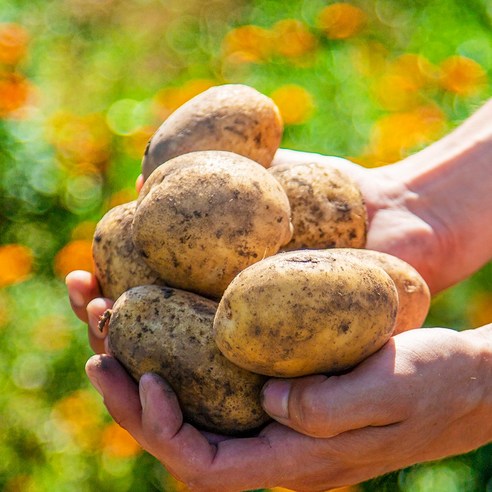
{"points": [[118, 443], [248, 44], [14, 40], [15, 91], [462, 76], [341, 20], [76, 255], [16, 263], [293, 38], [295, 103], [84, 84]]}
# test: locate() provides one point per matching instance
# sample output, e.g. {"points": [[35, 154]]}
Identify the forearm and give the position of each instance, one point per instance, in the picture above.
{"points": [[449, 185]]}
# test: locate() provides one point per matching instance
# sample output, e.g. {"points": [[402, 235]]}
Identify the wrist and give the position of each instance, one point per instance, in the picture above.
{"points": [[448, 188]]}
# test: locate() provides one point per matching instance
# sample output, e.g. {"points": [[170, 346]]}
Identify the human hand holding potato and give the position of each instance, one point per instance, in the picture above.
{"points": [[366, 442], [393, 410]]}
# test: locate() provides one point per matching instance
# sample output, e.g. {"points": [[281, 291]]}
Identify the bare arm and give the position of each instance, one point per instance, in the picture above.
{"points": [[449, 185], [433, 209]]}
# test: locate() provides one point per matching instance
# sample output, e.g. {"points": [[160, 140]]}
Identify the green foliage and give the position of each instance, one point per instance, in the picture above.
{"points": [[95, 80]]}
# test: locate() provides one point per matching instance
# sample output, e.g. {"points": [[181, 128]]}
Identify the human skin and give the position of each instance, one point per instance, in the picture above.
{"points": [[425, 395]]}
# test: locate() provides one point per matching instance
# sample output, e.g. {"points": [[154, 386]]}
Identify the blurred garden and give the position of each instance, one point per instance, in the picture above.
{"points": [[85, 83]]}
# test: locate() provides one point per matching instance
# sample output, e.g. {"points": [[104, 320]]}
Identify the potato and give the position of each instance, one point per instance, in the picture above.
{"points": [[328, 209], [204, 216], [231, 117], [118, 265], [169, 332], [413, 293], [305, 312]]}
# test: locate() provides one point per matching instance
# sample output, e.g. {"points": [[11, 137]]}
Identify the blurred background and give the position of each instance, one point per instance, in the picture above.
{"points": [[85, 83]]}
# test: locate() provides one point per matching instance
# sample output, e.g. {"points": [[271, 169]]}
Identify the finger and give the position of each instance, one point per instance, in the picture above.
{"points": [[120, 393], [164, 429], [97, 330], [231, 464], [82, 288], [322, 406]]}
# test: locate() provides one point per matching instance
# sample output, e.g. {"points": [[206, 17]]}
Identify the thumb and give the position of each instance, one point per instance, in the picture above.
{"points": [[322, 406]]}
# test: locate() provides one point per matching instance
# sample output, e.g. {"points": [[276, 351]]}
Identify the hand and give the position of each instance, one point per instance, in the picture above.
{"points": [[88, 306], [397, 225], [394, 229], [423, 396]]}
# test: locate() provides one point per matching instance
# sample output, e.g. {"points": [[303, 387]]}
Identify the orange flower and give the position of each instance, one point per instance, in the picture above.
{"points": [[15, 264], [295, 104], [397, 134], [341, 20], [462, 76], [293, 39], [118, 443], [123, 196], [13, 43], [247, 44], [76, 255], [171, 98], [480, 309], [82, 142], [78, 414], [401, 86], [15, 92]]}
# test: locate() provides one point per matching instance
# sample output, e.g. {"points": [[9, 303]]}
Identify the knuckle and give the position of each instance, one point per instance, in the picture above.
{"points": [[311, 414]]}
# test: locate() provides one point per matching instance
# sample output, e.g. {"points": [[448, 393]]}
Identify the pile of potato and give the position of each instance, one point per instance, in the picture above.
{"points": [[228, 270]]}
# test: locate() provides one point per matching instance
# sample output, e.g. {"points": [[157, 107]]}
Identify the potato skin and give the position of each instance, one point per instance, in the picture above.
{"points": [[118, 265], [413, 292], [204, 216], [231, 117], [169, 332], [305, 312], [328, 210]]}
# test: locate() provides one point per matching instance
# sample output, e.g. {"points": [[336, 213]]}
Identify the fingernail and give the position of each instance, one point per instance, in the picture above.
{"points": [[275, 398], [143, 388]]}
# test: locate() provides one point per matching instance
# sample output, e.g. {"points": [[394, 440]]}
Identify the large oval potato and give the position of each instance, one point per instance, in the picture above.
{"points": [[204, 216], [305, 312], [231, 117], [413, 292], [169, 332], [117, 264], [328, 210]]}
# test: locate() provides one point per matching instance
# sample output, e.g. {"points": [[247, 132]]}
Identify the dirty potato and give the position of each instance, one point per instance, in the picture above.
{"points": [[328, 209], [204, 216], [169, 332], [231, 117], [305, 312], [413, 292], [118, 266]]}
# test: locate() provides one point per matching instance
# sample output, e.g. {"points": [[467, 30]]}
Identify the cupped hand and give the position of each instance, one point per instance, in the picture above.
{"points": [[394, 227], [398, 225], [395, 409]]}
